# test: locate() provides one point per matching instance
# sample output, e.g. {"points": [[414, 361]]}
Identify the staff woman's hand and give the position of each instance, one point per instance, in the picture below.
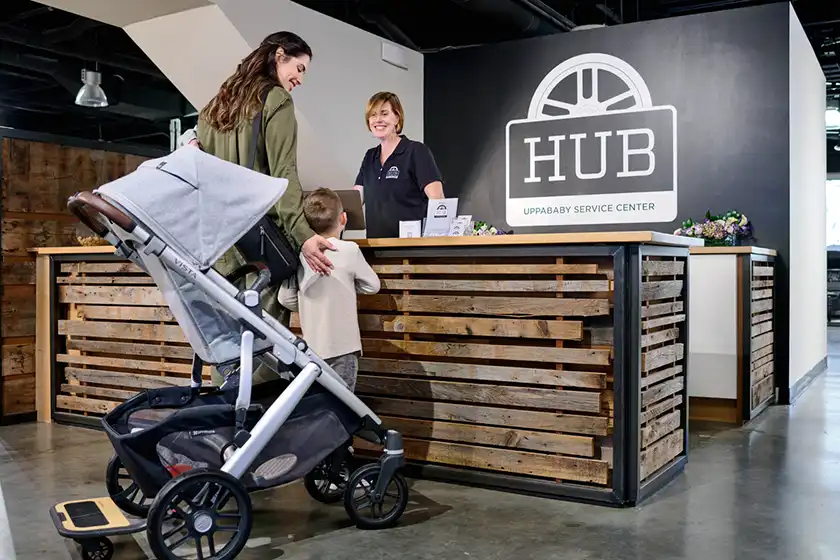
{"points": [[313, 251]]}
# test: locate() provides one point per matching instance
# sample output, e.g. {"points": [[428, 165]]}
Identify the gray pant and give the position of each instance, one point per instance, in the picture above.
{"points": [[346, 366]]}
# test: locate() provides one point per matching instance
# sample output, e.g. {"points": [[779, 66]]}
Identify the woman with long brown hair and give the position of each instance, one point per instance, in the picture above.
{"points": [[264, 80]]}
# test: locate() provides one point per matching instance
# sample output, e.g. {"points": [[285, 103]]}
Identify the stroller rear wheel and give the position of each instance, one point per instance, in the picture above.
{"points": [[369, 511], [124, 491], [326, 484], [202, 512]]}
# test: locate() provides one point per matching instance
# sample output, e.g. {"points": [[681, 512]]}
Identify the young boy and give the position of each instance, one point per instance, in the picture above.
{"points": [[327, 304]]}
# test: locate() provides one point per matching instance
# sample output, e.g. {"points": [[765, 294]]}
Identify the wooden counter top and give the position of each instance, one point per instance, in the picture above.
{"points": [[746, 250], [647, 237], [582, 238]]}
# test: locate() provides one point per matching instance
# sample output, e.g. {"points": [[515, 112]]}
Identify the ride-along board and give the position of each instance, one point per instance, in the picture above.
{"points": [[90, 522]]}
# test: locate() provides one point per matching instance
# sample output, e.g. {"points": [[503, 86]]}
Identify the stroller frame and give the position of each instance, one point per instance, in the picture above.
{"points": [[135, 242]]}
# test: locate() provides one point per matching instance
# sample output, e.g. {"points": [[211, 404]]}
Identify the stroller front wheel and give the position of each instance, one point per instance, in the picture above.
{"points": [[369, 511], [202, 512]]}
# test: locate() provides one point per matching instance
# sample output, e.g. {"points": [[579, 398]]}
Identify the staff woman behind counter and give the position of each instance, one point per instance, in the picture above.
{"points": [[398, 177]]}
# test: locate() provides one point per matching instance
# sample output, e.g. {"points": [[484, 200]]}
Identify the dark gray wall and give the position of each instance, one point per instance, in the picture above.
{"points": [[726, 73]]}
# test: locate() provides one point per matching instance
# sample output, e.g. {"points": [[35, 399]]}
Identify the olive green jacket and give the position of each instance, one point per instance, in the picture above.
{"points": [[276, 156]]}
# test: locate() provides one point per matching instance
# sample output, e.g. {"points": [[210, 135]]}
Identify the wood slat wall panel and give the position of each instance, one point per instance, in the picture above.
{"points": [[119, 339], [500, 364], [37, 179], [663, 416], [761, 344]]}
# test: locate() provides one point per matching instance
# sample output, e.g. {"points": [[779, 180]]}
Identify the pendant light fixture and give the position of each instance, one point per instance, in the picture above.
{"points": [[91, 93]]}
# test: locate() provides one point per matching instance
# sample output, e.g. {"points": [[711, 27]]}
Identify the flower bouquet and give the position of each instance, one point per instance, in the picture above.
{"points": [[483, 228], [725, 230]]}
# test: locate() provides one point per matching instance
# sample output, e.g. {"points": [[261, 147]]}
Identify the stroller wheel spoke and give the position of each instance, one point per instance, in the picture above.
{"points": [[199, 549], [176, 544], [174, 531], [211, 545]]}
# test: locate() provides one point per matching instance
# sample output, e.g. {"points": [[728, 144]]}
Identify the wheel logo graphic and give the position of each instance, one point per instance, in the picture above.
{"points": [[586, 68], [593, 149]]}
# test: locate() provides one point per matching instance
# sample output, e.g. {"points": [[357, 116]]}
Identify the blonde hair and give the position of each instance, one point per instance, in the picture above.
{"points": [[377, 100], [322, 208]]}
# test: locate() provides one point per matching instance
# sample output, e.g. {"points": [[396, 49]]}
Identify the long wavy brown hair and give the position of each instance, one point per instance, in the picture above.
{"points": [[239, 98]]}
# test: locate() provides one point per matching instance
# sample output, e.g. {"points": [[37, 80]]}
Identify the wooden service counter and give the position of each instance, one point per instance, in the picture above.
{"points": [[547, 364], [732, 325]]}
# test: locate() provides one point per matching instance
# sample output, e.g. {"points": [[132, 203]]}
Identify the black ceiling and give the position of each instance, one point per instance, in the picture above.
{"points": [[43, 50]]}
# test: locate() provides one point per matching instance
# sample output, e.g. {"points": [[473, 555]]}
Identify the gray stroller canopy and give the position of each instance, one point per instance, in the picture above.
{"points": [[198, 204]]}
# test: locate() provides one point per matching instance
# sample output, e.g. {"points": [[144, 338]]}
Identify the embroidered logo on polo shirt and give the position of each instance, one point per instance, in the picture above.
{"points": [[393, 173]]}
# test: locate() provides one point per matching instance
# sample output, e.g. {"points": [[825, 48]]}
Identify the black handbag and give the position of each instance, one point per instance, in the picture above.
{"points": [[266, 242]]}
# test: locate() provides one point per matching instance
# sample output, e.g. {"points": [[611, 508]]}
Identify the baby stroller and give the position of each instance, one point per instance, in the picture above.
{"points": [[198, 451]]}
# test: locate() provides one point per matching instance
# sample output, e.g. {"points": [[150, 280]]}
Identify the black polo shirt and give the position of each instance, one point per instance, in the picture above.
{"points": [[393, 192]]}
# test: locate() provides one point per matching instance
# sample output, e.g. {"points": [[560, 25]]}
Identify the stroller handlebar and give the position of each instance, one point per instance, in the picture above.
{"points": [[81, 204]]}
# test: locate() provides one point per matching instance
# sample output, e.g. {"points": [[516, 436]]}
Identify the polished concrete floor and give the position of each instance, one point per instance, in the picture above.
{"points": [[767, 491]]}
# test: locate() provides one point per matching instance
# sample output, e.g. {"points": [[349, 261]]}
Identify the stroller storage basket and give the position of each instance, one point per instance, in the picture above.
{"points": [[161, 433]]}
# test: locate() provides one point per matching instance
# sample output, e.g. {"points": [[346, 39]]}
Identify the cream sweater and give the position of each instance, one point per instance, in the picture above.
{"points": [[327, 304]]}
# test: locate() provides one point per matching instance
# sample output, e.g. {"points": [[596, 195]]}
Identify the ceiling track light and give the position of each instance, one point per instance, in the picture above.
{"points": [[91, 93]]}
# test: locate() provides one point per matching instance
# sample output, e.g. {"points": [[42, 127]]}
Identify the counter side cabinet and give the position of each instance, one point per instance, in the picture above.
{"points": [[732, 355]]}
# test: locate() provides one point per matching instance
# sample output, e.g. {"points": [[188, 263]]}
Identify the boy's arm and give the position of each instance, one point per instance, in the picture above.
{"points": [[287, 295], [367, 282]]}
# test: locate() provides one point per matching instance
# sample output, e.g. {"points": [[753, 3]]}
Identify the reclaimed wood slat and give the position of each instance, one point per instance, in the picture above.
{"points": [[448, 370], [469, 326], [490, 415], [101, 268], [98, 391], [761, 352], [762, 305], [660, 375], [657, 429], [105, 280], [761, 318], [124, 379], [658, 309], [525, 397], [475, 269], [761, 328], [661, 453], [123, 363], [496, 285], [18, 359], [82, 404], [663, 268], [662, 321], [761, 392], [761, 294], [762, 340], [17, 307], [19, 395], [131, 349], [659, 337], [21, 272], [662, 356], [504, 460], [761, 361], [529, 440], [598, 336], [661, 290], [488, 351], [658, 392], [762, 284], [480, 305], [125, 313], [125, 331], [19, 236], [761, 372], [653, 411], [760, 270], [150, 296]]}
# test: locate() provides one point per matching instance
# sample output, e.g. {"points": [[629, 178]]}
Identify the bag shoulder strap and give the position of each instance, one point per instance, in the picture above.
{"points": [[255, 132]]}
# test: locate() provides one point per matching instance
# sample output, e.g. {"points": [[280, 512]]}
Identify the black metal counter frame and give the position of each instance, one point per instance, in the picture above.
{"points": [[627, 488], [58, 344], [746, 264]]}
